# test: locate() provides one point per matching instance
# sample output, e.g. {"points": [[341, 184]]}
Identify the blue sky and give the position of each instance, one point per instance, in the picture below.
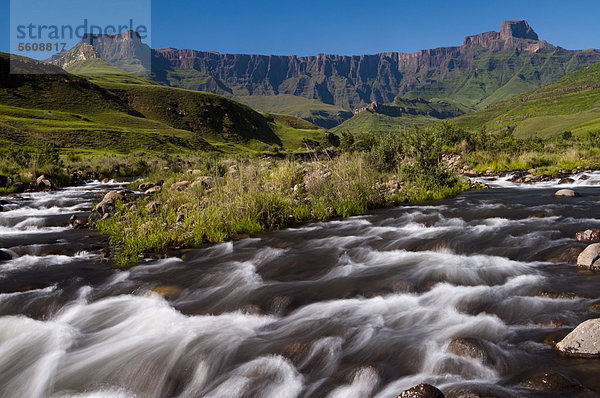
{"points": [[348, 27]]}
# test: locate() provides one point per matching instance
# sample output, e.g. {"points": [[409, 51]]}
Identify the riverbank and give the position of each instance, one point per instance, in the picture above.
{"points": [[231, 199]]}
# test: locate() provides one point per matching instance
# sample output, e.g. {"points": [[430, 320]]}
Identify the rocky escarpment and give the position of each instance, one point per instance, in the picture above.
{"points": [[81, 52], [417, 106], [354, 81]]}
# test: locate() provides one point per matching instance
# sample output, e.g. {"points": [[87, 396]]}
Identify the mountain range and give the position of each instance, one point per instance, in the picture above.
{"points": [[324, 89]]}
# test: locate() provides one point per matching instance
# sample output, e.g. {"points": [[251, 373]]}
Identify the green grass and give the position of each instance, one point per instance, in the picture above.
{"points": [[415, 113], [109, 110], [316, 112], [252, 196], [571, 104]]}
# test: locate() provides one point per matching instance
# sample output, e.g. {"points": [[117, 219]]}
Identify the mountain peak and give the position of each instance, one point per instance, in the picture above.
{"points": [[513, 35], [517, 29]]}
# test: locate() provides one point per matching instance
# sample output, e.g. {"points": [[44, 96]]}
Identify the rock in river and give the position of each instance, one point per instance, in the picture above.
{"points": [[590, 257], [566, 193], [43, 183], [551, 382], [584, 341], [589, 235], [422, 391], [4, 256]]}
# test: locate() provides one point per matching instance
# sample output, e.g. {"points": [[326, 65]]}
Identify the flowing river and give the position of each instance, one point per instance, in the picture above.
{"points": [[363, 307]]}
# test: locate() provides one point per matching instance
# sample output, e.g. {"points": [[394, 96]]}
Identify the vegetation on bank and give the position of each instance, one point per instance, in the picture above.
{"points": [[227, 197]]}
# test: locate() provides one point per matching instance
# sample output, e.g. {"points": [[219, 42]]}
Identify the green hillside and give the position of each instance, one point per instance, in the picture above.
{"points": [[403, 114], [314, 111], [499, 76], [104, 109], [571, 104]]}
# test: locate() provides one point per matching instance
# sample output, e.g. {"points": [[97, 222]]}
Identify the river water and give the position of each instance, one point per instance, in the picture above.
{"points": [[367, 306]]}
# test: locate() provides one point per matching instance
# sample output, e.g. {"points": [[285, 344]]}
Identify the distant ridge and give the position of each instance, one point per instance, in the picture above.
{"points": [[486, 68]]}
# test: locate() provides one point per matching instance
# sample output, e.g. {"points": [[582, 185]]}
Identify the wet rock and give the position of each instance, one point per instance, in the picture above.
{"points": [[553, 338], [1, 209], [551, 382], [296, 352], [469, 347], [539, 214], [566, 181], [105, 180], [589, 257], [476, 391], [55, 251], [561, 295], [562, 255], [584, 178], [43, 183], [422, 391], [152, 206], [167, 290], [179, 186], [5, 256], [146, 186], [566, 193], [583, 341], [279, 305], [589, 235], [77, 223], [595, 307]]}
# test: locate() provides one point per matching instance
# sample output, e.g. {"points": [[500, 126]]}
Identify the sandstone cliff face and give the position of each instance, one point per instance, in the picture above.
{"points": [[346, 81], [81, 52]]}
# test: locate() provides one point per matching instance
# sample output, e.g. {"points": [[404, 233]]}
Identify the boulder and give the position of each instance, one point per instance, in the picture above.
{"points": [[566, 180], [152, 190], [566, 193], [20, 187], [152, 206], [469, 347], [167, 290], [589, 257], [5, 181], [43, 183], [583, 341], [179, 186], [105, 206], [203, 182], [1, 209], [77, 223], [113, 195], [589, 235], [146, 186], [422, 391], [551, 382], [5, 256]]}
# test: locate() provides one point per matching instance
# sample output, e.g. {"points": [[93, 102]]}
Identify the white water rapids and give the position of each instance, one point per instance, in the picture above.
{"points": [[363, 307]]}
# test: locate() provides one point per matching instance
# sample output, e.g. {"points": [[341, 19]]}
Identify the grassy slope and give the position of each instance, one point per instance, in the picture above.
{"points": [[123, 113], [572, 103], [316, 112], [500, 76], [371, 122]]}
